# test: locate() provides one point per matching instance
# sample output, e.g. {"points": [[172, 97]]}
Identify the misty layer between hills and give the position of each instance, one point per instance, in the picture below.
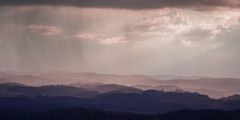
{"points": [[213, 87]]}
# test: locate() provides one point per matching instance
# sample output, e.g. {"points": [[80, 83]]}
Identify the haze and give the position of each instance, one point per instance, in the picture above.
{"points": [[179, 38]]}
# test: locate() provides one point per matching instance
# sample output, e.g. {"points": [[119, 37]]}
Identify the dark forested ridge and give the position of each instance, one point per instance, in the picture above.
{"points": [[56, 102], [147, 102], [84, 114], [94, 114]]}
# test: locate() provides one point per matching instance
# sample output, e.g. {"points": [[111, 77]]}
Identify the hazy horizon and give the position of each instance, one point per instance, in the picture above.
{"points": [[122, 74]]}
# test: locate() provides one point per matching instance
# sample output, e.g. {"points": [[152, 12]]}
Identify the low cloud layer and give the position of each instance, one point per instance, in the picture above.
{"points": [[129, 4], [101, 38], [45, 30]]}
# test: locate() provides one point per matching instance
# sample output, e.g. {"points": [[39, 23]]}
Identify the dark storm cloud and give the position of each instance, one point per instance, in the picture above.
{"points": [[128, 4]]}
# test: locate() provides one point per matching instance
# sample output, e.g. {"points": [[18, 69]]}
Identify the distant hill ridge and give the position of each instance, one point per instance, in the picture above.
{"points": [[116, 98], [213, 87]]}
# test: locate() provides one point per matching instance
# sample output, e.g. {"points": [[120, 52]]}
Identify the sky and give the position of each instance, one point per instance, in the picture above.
{"points": [[178, 37]]}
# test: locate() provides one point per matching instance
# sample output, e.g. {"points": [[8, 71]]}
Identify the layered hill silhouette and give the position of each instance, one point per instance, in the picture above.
{"points": [[107, 97], [98, 101], [213, 87]]}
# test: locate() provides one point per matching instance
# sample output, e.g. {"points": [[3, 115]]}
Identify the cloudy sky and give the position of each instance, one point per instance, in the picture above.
{"points": [[180, 37]]}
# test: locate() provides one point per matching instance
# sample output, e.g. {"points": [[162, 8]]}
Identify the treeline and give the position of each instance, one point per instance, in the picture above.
{"points": [[92, 114]]}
